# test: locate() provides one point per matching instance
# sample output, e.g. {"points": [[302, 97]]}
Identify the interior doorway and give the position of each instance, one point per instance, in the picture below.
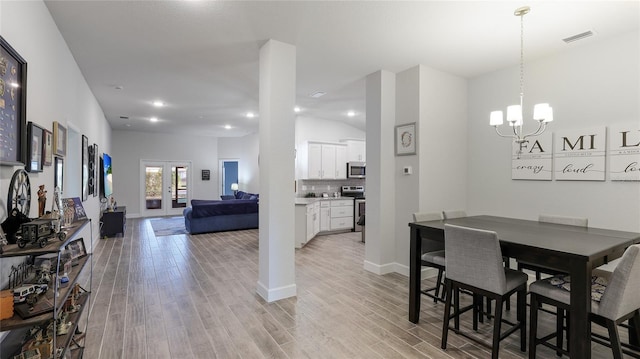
{"points": [[165, 187], [228, 176]]}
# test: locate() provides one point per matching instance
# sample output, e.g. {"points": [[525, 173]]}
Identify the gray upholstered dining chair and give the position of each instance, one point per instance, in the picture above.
{"points": [[613, 300], [548, 218], [453, 213], [432, 254], [474, 263]]}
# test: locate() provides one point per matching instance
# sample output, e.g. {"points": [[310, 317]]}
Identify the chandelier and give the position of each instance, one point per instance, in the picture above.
{"points": [[542, 113]]}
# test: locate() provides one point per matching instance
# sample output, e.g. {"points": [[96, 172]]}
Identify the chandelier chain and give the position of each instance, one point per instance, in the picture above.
{"points": [[522, 60]]}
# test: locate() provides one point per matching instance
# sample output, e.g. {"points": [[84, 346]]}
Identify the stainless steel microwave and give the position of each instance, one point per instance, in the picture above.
{"points": [[356, 170]]}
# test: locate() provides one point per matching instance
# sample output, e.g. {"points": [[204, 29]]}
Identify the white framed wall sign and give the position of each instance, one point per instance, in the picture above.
{"points": [[579, 155], [624, 152], [535, 161]]}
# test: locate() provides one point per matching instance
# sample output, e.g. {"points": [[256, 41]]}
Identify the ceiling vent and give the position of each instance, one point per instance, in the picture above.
{"points": [[578, 36], [317, 94], [124, 117]]}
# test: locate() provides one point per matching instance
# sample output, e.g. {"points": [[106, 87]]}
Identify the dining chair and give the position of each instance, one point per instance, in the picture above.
{"points": [[433, 255], [613, 300], [547, 218], [453, 213], [474, 263]]}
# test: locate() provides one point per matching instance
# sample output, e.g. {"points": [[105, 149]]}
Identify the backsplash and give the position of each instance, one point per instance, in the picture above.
{"points": [[325, 186]]}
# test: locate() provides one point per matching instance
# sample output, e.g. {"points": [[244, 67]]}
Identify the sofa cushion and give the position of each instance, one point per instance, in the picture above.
{"points": [[225, 197]]}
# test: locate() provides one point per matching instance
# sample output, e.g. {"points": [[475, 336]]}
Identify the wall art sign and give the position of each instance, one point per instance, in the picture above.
{"points": [[579, 155], [13, 106], [535, 162], [406, 139], [624, 152]]}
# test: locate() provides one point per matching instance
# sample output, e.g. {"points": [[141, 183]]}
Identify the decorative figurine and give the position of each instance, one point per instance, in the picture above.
{"points": [[42, 200]]}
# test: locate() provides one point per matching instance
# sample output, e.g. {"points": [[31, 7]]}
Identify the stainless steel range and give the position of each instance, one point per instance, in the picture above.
{"points": [[357, 192]]}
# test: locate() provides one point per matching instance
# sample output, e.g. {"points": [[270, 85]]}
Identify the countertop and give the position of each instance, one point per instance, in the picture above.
{"points": [[308, 200]]}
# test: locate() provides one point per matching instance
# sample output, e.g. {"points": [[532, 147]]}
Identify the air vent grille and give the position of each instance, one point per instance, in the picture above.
{"points": [[578, 36]]}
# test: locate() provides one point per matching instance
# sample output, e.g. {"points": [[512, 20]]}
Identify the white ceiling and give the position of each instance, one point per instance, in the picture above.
{"points": [[201, 57]]}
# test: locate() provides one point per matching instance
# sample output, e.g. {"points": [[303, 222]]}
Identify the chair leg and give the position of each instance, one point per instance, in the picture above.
{"points": [[438, 285], [477, 301], [447, 313], [616, 347], [522, 317], [634, 329], [533, 326], [497, 320], [456, 310], [559, 330]]}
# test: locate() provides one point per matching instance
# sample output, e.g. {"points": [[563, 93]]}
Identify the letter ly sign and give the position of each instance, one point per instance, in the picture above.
{"points": [[535, 160], [624, 151], [580, 154]]}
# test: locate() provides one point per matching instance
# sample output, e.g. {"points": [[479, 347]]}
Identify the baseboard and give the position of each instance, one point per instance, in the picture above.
{"points": [[426, 271], [271, 295], [379, 269]]}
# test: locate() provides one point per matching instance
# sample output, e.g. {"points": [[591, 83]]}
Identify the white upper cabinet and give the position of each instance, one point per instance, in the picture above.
{"points": [[356, 150], [322, 161]]}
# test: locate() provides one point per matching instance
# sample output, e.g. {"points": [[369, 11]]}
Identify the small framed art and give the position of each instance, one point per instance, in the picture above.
{"points": [[34, 152], [85, 168], [47, 149], [58, 172], [59, 139], [13, 107], [406, 139]]}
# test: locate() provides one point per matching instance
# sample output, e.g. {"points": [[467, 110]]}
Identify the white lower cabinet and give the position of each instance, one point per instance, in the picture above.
{"points": [[325, 216], [307, 223], [341, 214]]}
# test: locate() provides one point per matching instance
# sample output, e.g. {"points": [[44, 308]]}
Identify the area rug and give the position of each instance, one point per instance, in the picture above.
{"points": [[169, 226]]}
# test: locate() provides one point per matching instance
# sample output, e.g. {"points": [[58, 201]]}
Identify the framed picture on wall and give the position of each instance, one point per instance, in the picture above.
{"points": [[58, 173], [47, 149], [34, 154], [59, 139], [96, 170], [13, 107], [406, 139], [85, 168]]}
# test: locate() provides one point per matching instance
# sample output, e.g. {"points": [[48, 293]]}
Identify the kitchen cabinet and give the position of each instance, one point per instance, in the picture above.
{"points": [[341, 214], [356, 150], [307, 223], [325, 216], [318, 160]]}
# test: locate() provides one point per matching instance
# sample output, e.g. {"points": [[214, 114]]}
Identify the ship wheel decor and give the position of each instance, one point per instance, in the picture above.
{"points": [[19, 193]]}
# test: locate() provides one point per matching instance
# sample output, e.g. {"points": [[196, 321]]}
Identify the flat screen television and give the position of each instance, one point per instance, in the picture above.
{"points": [[107, 175]]}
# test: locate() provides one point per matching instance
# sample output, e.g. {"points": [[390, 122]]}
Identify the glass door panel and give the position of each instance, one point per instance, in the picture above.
{"points": [[165, 187]]}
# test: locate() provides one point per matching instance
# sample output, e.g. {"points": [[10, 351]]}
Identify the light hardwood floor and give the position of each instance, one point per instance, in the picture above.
{"points": [[194, 297]]}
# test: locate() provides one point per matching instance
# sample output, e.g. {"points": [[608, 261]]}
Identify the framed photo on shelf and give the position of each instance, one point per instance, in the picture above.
{"points": [[47, 149], [85, 168], [58, 178], [34, 154], [13, 106], [406, 139], [59, 139]]}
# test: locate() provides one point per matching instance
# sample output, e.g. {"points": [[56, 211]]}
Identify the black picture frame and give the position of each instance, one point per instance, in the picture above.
{"points": [[206, 175], [59, 139], [96, 170], [58, 178], [85, 168], [13, 106], [35, 135]]}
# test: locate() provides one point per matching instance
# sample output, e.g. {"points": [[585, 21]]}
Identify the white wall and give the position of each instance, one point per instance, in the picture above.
{"points": [[436, 101], [56, 91], [588, 85], [245, 150], [313, 129], [129, 147]]}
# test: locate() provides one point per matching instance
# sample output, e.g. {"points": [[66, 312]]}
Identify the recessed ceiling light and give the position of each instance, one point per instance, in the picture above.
{"points": [[228, 127], [153, 119], [118, 87], [250, 115], [351, 113], [317, 94], [158, 103], [296, 109], [127, 125]]}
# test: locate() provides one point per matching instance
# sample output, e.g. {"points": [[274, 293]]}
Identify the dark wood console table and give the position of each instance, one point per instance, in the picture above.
{"points": [[113, 222]]}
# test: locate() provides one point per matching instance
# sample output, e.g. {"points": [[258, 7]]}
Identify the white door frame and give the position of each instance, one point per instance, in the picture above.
{"points": [[221, 172], [165, 209]]}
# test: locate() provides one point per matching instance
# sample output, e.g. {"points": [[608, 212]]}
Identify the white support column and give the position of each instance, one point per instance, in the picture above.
{"points": [[276, 277], [380, 226]]}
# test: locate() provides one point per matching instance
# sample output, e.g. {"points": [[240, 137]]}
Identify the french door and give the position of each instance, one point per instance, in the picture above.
{"points": [[165, 187]]}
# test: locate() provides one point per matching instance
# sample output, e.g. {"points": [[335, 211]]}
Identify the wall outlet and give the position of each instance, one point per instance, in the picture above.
{"points": [[407, 170]]}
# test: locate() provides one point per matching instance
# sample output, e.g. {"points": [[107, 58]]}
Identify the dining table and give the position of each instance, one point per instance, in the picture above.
{"points": [[568, 249]]}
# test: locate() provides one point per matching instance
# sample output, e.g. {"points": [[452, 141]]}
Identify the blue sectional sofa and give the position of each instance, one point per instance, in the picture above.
{"points": [[206, 216]]}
